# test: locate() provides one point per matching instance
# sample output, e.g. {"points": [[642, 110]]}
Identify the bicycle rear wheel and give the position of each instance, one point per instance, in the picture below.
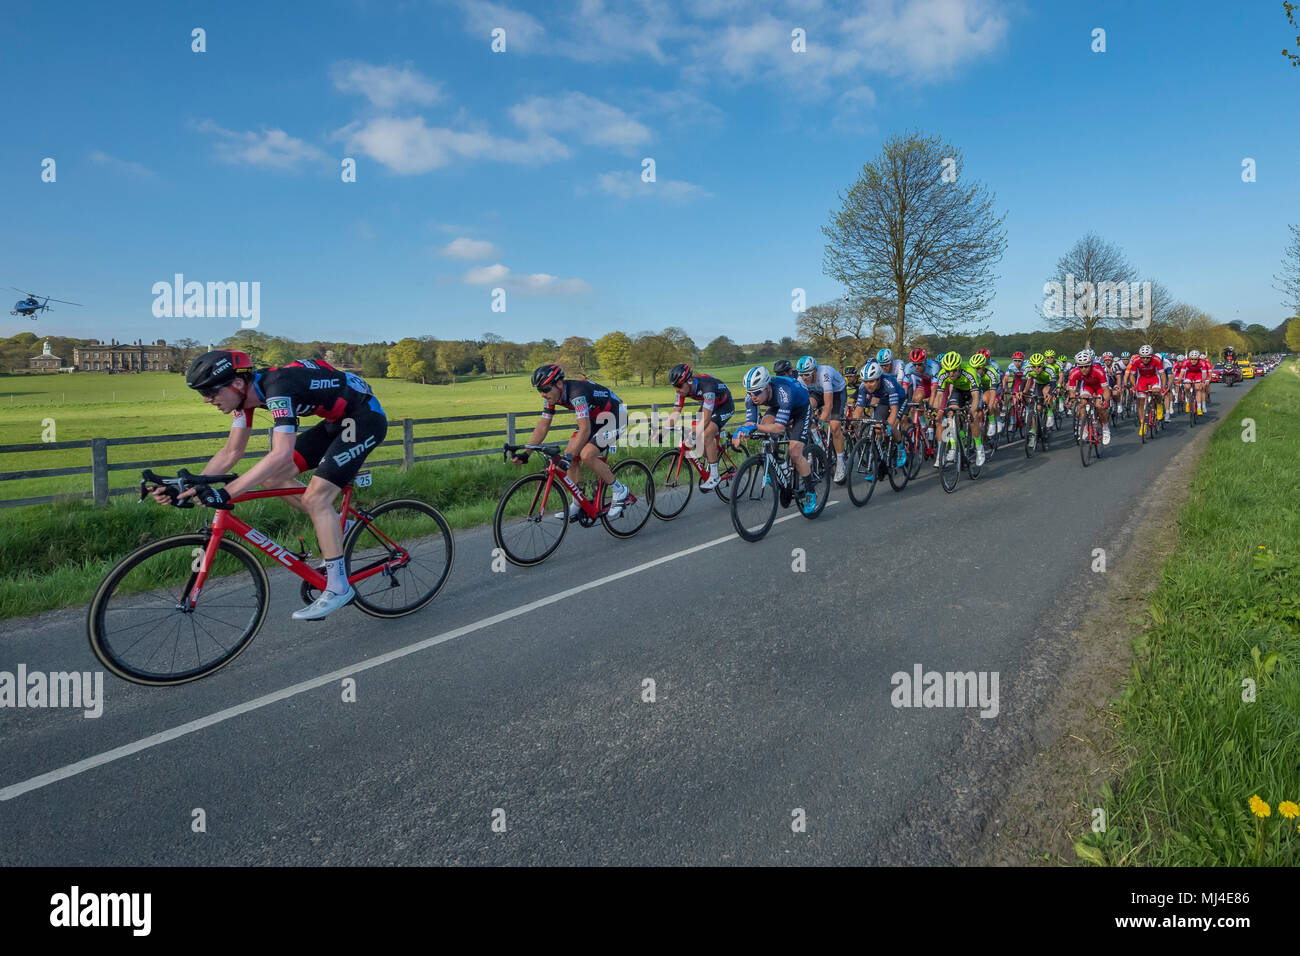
{"points": [[915, 442], [142, 629], [674, 478], [728, 465], [415, 542], [950, 471], [819, 462], [898, 475], [640, 484], [863, 468], [753, 503], [527, 528]]}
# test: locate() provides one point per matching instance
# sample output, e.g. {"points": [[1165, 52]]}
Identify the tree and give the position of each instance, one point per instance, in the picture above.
{"points": [[655, 353], [1288, 282], [492, 350], [1091, 288], [1293, 335], [453, 357], [419, 372], [279, 352], [1290, 9], [614, 353], [722, 351], [402, 356], [911, 232], [543, 353], [576, 354]]}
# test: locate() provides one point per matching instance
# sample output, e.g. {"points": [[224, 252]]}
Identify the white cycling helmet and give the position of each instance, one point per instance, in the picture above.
{"points": [[873, 372], [1194, 354], [1146, 351], [805, 365], [1083, 357], [885, 356], [756, 379]]}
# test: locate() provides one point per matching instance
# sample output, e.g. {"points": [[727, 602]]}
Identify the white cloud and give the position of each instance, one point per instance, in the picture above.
{"points": [[925, 38], [536, 284], [851, 110], [594, 122], [523, 31], [463, 248], [409, 146], [385, 86], [270, 147], [123, 165], [627, 184]]}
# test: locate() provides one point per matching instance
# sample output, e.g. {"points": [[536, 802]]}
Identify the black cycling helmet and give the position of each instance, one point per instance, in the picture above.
{"points": [[214, 369], [783, 367], [678, 374], [850, 370], [544, 376]]}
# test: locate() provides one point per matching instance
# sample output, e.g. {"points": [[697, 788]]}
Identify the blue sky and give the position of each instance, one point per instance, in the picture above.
{"points": [[521, 169]]}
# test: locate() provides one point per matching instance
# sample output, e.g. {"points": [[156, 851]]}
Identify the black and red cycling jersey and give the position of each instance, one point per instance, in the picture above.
{"points": [[587, 400], [712, 395], [307, 387]]}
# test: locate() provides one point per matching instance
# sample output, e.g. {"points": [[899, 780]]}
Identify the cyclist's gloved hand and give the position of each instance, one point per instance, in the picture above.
{"points": [[566, 461], [213, 497]]}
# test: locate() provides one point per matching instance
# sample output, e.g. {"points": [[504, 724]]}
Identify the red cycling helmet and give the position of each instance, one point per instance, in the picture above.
{"points": [[1017, 356], [984, 352], [917, 356]]}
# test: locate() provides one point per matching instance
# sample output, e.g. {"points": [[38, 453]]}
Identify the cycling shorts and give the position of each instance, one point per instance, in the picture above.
{"points": [[336, 460]]}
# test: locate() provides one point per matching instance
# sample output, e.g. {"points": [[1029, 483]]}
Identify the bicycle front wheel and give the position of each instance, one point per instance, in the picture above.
{"points": [[819, 462], [412, 541], [674, 481], [531, 522], [141, 625], [640, 485], [863, 469], [753, 500]]}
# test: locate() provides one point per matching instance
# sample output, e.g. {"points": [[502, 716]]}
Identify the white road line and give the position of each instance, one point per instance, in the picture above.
{"points": [[154, 740]]}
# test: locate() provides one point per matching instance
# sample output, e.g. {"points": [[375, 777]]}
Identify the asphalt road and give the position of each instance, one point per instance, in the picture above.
{"points": [[510, 700]]}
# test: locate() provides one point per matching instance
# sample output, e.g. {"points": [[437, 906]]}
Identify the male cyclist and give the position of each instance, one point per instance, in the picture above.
{"points": [[1146, 373], [1090, 383], [992, 387], [788, 413], [1041, 378], [890, 365], [716, 406], [883, 394], [1013, 379], [958, 386], [918, 378], [1196, 370], [600, 420], [827, 389], [353, 424]]}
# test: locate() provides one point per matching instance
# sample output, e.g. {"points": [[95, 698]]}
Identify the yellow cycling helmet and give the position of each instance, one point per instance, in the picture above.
{"points": [[1037, 359], [978, 360], [950, 362], [1049, 354]]}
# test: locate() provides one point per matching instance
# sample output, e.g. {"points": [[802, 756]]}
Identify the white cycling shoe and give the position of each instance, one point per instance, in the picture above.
{"points": [[838, 477], [1105, 435], [574, 511], [620, 499], [325, 605], [711, 482], [979, 456]]}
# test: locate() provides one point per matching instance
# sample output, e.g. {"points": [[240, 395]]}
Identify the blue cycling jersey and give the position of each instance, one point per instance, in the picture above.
{"points": [[890, 393], [787, 396]]}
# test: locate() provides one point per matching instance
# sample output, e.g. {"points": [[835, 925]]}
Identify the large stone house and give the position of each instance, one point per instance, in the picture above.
{"points": [[47, 361], [119, 357]]}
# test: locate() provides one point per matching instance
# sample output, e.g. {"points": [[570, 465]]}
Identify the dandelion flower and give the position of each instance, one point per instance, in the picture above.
{"points": [[1259, 807], [1288, 809]]}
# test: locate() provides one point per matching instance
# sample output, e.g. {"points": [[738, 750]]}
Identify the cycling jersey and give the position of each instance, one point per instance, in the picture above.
{"points": [[889, 393], [1017, 373], [587, 400], [919, 376], [307, 387], [995, 373], [787, 398], [1090, 379], [1043, 376], [826, 380], [1195, 369], [713, 396], [1145, 368], [963, 379]]}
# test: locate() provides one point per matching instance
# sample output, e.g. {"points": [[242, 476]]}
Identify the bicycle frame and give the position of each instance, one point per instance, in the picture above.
{"points": [[588, 506]]}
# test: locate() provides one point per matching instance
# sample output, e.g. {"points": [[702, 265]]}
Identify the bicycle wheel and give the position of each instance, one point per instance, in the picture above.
{"points": [[408, 527], [819, 461], [1191, 415], [674, 478], [950, 471], [728, 465], [641, 499], [863, 467], [914, 442], [142, 629], [1144, 423], [527, 528], [1085, 437], [972, 469], [753, 503], [897, 475]]}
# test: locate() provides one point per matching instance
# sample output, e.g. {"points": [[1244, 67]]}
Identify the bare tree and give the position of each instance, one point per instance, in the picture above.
{"points": [[1090, 288], [912, 231], [1288, 283]]}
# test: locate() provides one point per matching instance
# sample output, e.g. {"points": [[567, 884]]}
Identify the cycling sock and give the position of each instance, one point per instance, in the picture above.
{"points": [[839, 458], [713, 469], [337, 578], [808, 484]]}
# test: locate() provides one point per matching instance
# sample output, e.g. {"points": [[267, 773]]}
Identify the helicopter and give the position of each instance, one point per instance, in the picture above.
{"points": [[33, 304]]}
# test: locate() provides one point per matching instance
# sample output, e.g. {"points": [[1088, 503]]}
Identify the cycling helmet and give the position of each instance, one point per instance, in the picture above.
{"points": [[1194, 354], [850, 371], [1017, 356], [806, 364], [1037, 359], [1083, 357], [885, 356], [1050, 354], [544, 376], [756, 379], [1146, 351], [873, 372], [783, 367], [985, 353], [1124, 355], [950, 362], [917, 356], [678, 374], [1107, 355], [979, 360], [211, 370]]}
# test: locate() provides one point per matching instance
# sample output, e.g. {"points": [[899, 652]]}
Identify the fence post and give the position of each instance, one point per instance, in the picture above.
{"points": [[99, 471], [654, 420], [408, 444], [510, 428]]}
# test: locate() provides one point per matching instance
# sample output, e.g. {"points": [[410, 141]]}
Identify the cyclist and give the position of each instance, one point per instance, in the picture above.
{"points": [[884, 395], [788, 413], [1089, 382], [993, 392], [353, 423], [918, 378], [1168, 365], [1040, 377], [600, 420], [958, 386], [1013, 379], [1196, 371], [782, 368], [1114, 375], [851, 382], [826, 387], [890, 365], [716, 406], [1146, 373]]}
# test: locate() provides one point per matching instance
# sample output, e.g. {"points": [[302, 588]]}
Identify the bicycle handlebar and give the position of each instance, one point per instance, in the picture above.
{"points": [[549, 450], [182, 482]]}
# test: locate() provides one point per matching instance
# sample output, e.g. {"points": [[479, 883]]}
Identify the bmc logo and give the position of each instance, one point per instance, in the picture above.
{"points": [[270, 547], [324, 383], [356, 451]]}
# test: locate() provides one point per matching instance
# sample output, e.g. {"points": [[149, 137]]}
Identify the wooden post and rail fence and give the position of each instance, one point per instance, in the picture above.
{"points": [[100, 467]]}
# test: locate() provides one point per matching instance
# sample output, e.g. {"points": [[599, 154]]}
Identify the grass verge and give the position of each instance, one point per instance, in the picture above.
{"points": [[1211, 714]]}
